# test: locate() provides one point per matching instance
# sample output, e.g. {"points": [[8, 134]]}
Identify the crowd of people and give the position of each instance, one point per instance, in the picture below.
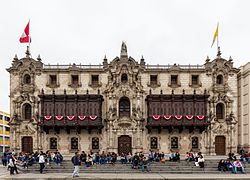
{"points": [[12, 159], [138, 160], [198, 159], [232, 163]]}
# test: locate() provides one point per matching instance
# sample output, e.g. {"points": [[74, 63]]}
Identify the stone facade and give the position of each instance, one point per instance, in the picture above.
{"points": [[119, 81], [243, 107]]}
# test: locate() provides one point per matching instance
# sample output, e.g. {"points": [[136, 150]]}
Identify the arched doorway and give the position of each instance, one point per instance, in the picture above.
{"points": [[27, 144], [220, 145], [124, 144]]}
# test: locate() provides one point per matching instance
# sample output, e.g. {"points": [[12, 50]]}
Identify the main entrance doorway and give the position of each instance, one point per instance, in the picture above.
{"points": [[220, 145], [124, 144], [27, 144]]}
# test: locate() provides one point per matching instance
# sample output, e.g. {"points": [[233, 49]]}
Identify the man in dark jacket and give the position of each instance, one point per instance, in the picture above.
{"points": [[76, 162]]}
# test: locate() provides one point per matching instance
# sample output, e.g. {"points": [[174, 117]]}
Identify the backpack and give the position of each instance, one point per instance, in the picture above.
{"points": [[73, 159]]}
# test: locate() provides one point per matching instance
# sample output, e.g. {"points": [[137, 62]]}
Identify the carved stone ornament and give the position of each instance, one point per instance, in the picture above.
{"points": [[124, 122], [219, 128], [231, 119], [28, 128]]}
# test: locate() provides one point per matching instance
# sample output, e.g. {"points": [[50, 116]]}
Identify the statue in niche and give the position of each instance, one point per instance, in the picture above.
{"points": [[137, 113], [111, 114]]}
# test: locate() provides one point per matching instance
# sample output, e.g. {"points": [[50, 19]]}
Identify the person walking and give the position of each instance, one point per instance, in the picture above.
{"points": [[41, 161], [4, 159], [15, 162], [11, 165], [76, 162]]}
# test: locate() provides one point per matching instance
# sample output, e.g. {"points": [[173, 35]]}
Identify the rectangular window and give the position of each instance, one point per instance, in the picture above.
{"points": [[74, 143], [174, 79], [1, 117], [154, 143], [53, 80], [95, 143], [195, 143], [174, 143], [95, 80], [7, 129], [74, 79], [153, 79], [6, 118], [53, 143], [195, 79]]}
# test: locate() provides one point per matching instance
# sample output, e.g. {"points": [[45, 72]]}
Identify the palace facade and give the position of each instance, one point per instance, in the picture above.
{"points": [[124, 106]]}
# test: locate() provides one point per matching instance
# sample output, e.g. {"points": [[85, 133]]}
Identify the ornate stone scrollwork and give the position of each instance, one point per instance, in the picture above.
{"points": [[231, 119]]}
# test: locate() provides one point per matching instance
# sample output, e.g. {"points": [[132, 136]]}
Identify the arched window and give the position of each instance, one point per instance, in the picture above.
{"points": [[124, 78], [27, 111], [219, 79], [124, 107], [26, 79], [74, 143], [95, 143], [174, 143], [195, 143], [153, 143], [220, 111], [53, 143]]}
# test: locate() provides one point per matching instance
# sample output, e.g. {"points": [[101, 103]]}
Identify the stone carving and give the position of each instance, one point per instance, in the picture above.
{"points": [[231, 119], [111, 114], [219, 128], [28, 128]]}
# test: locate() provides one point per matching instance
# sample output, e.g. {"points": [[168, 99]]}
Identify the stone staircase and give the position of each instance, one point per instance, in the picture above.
{"points": [[181, 167]]}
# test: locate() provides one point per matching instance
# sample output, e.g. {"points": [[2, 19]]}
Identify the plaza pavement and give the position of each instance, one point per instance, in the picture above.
{"points": [[4, 174], [134, 176]]}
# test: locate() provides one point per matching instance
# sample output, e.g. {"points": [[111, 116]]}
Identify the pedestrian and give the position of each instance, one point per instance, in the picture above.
{"points": [[76, 162], [41, 161], [4, 159], [11, 165], [14, 162]]}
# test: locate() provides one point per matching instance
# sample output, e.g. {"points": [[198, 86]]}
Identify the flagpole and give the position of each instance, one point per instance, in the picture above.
{"points": [[218, 36], [29, 34]]}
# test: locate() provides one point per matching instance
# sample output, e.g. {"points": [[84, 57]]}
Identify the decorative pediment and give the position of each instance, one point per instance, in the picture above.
{"points": [[27, 64], [220, 98], [174, 68], [220, 65]]}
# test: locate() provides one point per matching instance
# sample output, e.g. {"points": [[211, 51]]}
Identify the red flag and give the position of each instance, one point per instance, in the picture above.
{"points": [[25, 38]]}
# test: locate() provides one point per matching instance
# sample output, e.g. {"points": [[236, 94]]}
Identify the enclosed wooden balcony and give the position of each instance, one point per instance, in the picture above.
{"points": [[72, 111], [177, 110]]}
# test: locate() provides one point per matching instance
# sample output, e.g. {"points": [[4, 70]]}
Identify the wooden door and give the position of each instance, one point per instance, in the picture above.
{"points": [[124, 144], [220, 145], [27, 144]]}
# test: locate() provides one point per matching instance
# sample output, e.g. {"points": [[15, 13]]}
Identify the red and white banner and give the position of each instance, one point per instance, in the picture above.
{"points": [[200, 117], [59, 118], [25, 38], [81, 117], [47, 117], [70, 117], [92, 117], [167, 117], [156, 117], [178, 117], [189, 117]]}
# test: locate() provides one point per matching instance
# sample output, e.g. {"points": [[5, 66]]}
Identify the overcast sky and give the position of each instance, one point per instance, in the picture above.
{"points": [[163, 31]]}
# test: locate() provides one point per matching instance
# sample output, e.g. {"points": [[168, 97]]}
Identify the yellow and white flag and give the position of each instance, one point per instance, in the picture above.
{"points": [[216, 34]]}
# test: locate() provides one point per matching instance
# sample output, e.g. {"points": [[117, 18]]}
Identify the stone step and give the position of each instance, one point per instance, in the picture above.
{"points": [[168, 167], [137, 171]]}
